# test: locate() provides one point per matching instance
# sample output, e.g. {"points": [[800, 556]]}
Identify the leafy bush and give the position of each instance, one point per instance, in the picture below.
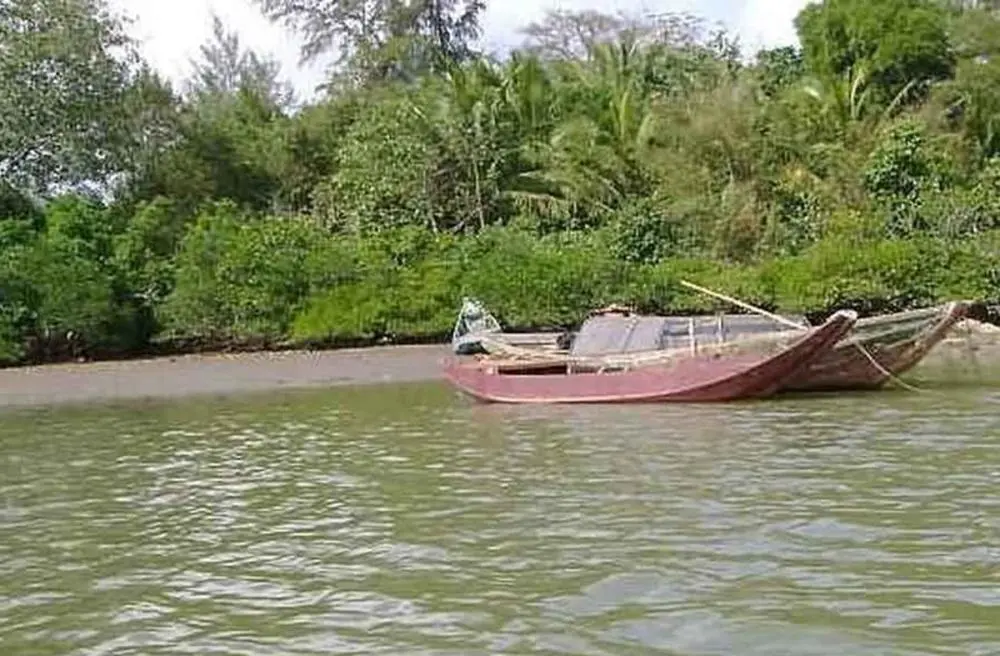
{"points": [[241, 276]]}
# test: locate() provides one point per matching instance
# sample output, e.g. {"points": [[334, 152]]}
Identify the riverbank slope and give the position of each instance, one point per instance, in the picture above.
{"points": [[216, 374]]}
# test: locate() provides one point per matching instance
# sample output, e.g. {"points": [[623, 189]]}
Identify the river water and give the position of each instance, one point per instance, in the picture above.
{"points": [[408, 520]]}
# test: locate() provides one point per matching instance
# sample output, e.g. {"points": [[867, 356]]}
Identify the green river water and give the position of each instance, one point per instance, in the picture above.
{"points": [[409, 520]]}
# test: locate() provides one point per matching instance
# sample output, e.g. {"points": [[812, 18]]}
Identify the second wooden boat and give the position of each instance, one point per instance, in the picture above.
{"points": [[708, 376], [878, 349]]}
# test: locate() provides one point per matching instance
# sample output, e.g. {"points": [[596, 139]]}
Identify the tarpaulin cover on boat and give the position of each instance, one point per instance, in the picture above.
{"points": [[614, 333], [611, 333], [720, 328]]}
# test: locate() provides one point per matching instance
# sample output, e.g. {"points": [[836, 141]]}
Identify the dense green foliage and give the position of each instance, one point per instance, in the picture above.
{"points": [[608, 158]]}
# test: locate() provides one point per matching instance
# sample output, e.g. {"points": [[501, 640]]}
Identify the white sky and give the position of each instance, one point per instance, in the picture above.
{"points": [[172, 30]]}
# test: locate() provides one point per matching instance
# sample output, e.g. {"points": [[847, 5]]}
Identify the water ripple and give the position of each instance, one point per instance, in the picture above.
{"points": [[407, 520]]}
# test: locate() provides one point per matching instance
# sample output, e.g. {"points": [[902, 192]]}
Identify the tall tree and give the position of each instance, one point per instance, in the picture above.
{"points": [[567, 34], [64, 76], [376, 39], [226, 67], [974, 93], [574, 34], [892, 43]]}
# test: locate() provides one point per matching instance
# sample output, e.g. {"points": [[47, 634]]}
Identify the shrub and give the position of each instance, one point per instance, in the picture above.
{"points": [[240, 276]]}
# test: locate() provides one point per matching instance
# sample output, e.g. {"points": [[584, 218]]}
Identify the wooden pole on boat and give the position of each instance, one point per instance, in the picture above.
{"points": [[745, 306]]}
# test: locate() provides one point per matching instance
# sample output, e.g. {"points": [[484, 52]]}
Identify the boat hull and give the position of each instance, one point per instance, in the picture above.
{"points": [[688, 379], [848, 367]]}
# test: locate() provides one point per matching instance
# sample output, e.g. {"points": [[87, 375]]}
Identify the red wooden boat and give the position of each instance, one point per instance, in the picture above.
{"points": [[690, 378]]}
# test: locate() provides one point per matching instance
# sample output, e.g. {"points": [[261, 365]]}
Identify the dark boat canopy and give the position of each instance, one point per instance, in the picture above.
{"points": [[614, 333]]}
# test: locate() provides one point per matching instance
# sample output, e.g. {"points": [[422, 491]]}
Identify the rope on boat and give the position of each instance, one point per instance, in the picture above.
{"points": [[885, 372], [915, 313]]}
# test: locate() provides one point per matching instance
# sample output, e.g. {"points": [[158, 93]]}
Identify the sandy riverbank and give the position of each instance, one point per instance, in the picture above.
{"points": [[970, 355], [170, 377]]}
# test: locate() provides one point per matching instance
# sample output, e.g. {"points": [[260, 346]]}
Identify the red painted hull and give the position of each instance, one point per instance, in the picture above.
{"points": [[691, 379], [848, 367]]}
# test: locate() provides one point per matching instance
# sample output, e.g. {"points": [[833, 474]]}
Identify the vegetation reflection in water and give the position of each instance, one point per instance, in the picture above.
{"points": [[406, 520]]}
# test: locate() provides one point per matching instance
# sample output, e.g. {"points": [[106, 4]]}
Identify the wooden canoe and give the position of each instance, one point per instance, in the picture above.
{"points": [[879, 349], [690, 378]]}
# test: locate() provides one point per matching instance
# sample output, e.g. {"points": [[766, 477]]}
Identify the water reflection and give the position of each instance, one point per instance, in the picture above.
{"points": [[407, 520]]}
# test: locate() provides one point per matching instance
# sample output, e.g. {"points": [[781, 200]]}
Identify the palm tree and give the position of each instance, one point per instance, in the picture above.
{"points": [[591, 160]]}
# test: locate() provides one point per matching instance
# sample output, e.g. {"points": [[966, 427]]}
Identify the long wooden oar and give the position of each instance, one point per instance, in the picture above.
{"points": [[745, 306]]}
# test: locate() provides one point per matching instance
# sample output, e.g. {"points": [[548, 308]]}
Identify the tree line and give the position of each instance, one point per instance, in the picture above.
{"points": [[604, 158]]}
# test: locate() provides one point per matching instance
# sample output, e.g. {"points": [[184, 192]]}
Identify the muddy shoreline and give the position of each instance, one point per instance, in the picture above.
{"points": [[217, 374]]}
